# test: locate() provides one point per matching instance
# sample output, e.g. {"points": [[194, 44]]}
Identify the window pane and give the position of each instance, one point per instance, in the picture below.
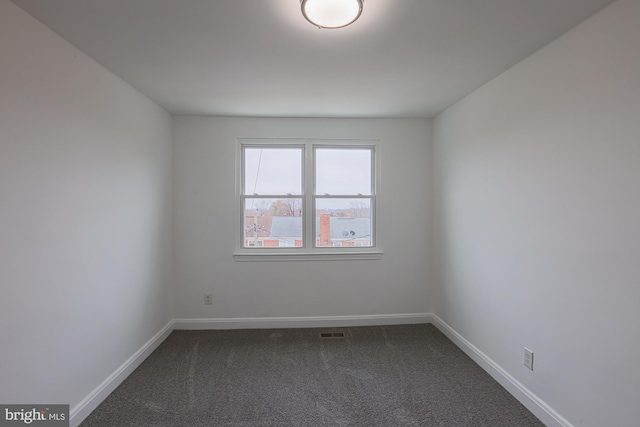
{"points": [[272, 170], [272, 223], [343, 222], [343, 171]]}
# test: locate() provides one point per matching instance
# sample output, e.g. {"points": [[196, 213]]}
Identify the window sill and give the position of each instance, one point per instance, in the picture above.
{"points": [[306, 256]]}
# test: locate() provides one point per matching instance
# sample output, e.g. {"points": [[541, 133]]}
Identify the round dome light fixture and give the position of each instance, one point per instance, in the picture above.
{"points": [[331, 13]]}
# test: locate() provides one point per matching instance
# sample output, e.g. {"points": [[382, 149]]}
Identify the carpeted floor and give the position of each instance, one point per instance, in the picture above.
{"points": [[406, 375]]}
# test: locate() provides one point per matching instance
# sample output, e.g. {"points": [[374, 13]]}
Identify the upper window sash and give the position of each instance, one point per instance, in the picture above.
{"points": [[262, 176], [344, 170]]}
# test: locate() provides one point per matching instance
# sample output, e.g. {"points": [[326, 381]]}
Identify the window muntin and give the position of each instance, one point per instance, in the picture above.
{"points": [[288, 188]]}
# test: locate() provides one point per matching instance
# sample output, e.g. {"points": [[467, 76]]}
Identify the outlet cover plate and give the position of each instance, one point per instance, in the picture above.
{"points": [[528, 358]]}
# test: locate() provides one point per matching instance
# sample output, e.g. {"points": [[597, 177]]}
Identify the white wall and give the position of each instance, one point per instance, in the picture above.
{"points": [[537, 220], [204, 209], [85, 217]]}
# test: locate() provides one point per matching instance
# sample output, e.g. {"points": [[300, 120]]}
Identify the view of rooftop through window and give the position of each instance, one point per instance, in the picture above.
{"points": [[274, 196]]}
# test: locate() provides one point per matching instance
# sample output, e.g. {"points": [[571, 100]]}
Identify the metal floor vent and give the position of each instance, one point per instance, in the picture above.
{"points": [[331, 334]]}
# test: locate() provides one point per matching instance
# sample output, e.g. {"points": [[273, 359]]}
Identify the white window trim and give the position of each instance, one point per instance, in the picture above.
{"points": [[309, 251]]}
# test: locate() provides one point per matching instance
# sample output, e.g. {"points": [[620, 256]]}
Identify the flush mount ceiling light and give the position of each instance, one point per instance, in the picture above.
{"points": [[331, 13]]}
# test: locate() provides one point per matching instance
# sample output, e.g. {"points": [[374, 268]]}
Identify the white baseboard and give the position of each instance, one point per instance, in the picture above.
{"points": [[302, 322], [531, 401], [82, 410]]}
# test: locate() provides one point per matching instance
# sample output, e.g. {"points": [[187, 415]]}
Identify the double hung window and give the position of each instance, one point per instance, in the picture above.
{"points": [[307, 197]]}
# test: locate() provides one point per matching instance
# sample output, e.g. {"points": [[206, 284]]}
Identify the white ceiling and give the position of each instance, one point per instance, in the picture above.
{"points": [[402, 58]]}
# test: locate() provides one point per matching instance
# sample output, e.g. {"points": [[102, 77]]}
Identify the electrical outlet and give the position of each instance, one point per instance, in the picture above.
{"points": [[528, 358], [208, 299]]}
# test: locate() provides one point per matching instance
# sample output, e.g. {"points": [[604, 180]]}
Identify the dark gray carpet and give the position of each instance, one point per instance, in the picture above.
{"points": [[407, 375]]}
